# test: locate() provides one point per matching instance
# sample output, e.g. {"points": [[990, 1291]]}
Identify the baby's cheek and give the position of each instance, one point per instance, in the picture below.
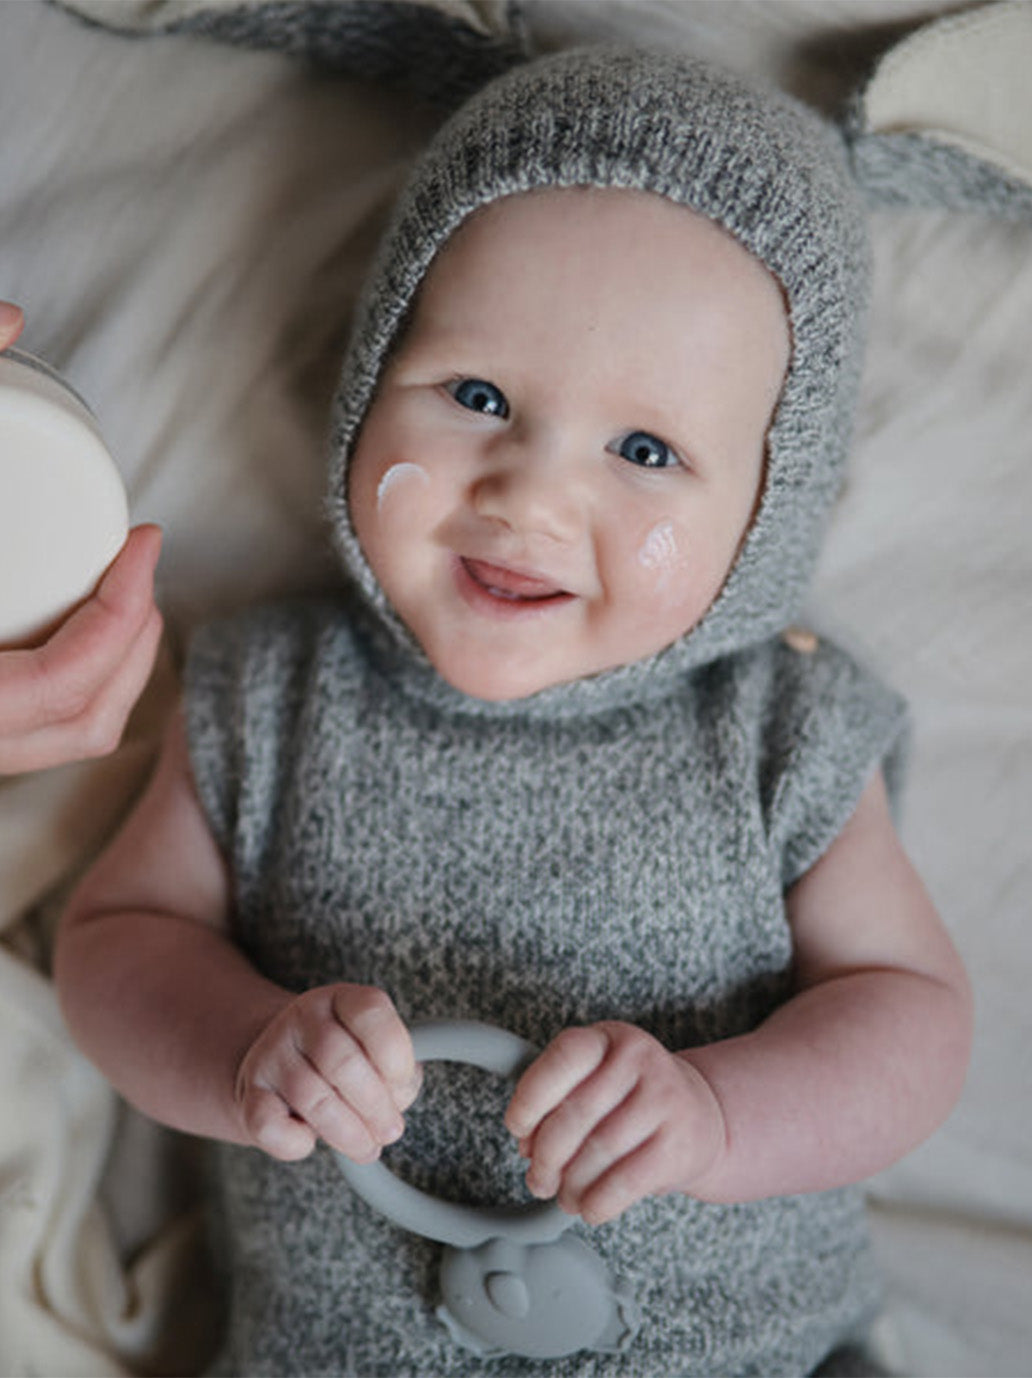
{"points": [[397, 507], [660, 557], [666, 572], [389, 507], [400, 484]]}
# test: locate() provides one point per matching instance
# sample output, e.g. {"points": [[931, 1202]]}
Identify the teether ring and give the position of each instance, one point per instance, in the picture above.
{"points": [[512, 1280]]}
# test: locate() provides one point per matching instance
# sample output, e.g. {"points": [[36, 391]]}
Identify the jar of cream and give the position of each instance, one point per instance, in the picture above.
{"points": [[63, 508]]}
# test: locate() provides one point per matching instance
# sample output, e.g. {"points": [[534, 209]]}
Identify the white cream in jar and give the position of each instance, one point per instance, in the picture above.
{"points": [[63, 508]]}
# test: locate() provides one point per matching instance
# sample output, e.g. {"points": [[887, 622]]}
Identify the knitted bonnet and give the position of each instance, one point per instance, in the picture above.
{"points": [[764, 167]]}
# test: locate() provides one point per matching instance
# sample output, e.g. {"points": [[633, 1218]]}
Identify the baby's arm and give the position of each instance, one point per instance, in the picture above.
{"points": [[69, 698], [856, 1069], [158, 995]]}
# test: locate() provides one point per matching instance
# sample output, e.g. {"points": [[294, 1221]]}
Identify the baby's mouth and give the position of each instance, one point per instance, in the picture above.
{"points": [[510, 584]]}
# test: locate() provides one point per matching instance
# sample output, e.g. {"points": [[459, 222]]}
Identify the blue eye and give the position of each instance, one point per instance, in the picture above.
{"points": [[646, 450], [480, 396]]}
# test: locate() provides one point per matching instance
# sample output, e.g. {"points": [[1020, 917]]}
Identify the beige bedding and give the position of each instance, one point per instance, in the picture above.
{"points": [[186, 225]]}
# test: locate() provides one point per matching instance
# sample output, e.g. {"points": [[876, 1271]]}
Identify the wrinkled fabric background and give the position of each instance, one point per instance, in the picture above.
{"points": [[186, 225]]}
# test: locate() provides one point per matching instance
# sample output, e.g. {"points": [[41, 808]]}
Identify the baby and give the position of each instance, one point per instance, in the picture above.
{"points": [[552, 765]]}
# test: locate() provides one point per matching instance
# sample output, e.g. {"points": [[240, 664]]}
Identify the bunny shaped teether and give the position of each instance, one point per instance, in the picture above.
{"points": [[513, 1280]]}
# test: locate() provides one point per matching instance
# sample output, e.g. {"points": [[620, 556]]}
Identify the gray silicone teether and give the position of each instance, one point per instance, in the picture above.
{"points": [[511, 1283]]}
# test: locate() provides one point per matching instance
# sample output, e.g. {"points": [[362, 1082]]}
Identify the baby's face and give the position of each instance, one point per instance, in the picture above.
{"points": [[564, 454]]}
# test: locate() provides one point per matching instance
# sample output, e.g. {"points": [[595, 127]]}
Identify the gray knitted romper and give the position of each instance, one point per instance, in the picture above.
{"points": [[616, 848]]}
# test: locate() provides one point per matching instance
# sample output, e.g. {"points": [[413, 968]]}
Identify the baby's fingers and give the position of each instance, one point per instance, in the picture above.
{"points": [[369, 1017], [354, 1129], [644, 1171], [283, 1093], [274, 1128], [351, 1108], [313, 1059], [582, 1136], [567, 1061]]}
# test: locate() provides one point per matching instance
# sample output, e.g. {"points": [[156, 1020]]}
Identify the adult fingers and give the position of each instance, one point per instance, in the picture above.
{"points": [[80, 654], [12, 319], [98, 728], [58, 681]]}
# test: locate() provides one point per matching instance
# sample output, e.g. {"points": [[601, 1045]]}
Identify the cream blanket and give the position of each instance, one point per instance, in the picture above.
{"points": [[186, 225]]}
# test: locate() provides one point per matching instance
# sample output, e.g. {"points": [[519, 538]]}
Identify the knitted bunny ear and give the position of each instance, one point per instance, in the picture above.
{"points": [[946, 118], [441, 50]]}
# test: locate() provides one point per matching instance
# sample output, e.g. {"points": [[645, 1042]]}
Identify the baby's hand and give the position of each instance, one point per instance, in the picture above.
{"points": [[607, 1115], [335, 1064], [69, 698]]}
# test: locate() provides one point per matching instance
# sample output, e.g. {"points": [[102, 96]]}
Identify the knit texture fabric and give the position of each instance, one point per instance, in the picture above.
{"points": [[759, 164], [629, 864], [614, 848], [435, 52]]}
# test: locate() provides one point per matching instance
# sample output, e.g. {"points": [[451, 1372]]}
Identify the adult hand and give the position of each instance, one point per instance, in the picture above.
{"points": [[12, 319], [69, 698]]}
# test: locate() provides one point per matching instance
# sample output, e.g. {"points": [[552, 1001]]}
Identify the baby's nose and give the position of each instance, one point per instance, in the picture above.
{"points": [[532, 491]]}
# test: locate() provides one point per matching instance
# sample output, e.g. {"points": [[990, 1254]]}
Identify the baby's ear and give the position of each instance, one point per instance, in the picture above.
{"points": [[946, 116]]}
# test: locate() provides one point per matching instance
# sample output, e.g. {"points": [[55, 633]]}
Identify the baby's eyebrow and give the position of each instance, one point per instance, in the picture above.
{"points": [[444, 342]]}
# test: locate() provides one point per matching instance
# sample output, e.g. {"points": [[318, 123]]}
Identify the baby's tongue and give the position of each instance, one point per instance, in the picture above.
{"points": [[507, 581]]}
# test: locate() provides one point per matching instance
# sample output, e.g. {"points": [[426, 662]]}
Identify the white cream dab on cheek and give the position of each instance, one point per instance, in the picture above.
{"points": [[397, 474], [662, 555], [659, 551]]}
